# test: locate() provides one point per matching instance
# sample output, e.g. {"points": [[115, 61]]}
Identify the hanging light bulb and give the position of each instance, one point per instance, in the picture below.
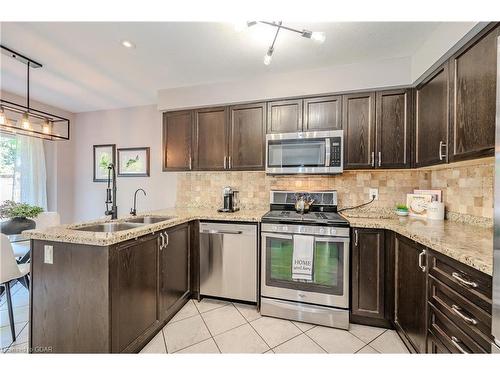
{"points": [[25, 121], [47, 126], [318, 37], [269, 56], [3, 119]]}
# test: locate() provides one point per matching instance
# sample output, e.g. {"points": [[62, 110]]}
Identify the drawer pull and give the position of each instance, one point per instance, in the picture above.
{"points": [[457, 310], [461, 280], [456, 343]]}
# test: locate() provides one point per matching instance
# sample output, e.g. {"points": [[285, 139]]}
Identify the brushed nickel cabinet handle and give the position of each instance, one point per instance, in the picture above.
{"points": [[356, 237], [166, 239], [162, 241], [229, 162], [190, 163], [456, 343], [420, 260], [225, 162], [457, 310], [379, 159], [440, 150], [461, 280], [373, 158]]}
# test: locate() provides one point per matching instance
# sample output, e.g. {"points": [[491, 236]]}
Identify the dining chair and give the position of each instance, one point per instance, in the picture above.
{"points": [[9, 271]]}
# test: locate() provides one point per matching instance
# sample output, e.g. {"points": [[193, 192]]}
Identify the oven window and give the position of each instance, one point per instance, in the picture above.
{"points": [[296, 153], [328, 266]]}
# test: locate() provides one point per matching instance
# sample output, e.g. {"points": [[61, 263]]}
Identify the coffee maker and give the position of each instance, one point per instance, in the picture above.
{"points": [[231, 200]]}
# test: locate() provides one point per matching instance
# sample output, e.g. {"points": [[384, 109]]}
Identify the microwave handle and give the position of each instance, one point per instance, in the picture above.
{"points": [[327, 152]]}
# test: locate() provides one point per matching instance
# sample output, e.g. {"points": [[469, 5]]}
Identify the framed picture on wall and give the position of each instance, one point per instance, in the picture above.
{"points": [[133, 162], [103, 156]]}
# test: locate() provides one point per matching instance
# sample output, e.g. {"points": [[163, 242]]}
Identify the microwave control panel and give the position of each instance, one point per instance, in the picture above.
{"points": [[336, 152]]}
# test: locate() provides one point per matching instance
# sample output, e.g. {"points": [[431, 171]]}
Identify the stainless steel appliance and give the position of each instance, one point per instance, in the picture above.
{"points": [[496, 243], [228, 261], [318, 152], [231, 200], [324, 298]]}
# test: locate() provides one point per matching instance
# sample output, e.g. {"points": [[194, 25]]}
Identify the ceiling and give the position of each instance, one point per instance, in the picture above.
{"points": [[86, 68]]}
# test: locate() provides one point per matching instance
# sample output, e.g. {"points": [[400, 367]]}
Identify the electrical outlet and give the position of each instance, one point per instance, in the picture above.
{"points": [[374, 193], [48, 254]]}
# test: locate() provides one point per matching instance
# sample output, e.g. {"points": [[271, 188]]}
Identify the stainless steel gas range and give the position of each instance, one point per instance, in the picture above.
{"points": [[317, 292]]}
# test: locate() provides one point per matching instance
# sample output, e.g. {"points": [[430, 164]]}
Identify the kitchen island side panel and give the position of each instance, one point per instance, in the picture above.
{"points": [[69, 301]]}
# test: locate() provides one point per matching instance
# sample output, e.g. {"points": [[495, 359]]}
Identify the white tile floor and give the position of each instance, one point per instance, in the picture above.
{"points": [[20, 302], [213, 326]]}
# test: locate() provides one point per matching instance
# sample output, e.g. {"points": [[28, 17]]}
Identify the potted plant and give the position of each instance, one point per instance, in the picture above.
{"points": [[19, 215], [402, 210]]}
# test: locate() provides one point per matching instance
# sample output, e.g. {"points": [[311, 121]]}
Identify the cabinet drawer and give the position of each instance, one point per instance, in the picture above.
{"points": [[471, 319], [456, 340], [474, 285], [435, 346]]}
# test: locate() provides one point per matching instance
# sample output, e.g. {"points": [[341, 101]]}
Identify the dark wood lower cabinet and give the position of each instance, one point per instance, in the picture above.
{"points": [[410, 293], [174, 271], [368, 275], [108, 299]]}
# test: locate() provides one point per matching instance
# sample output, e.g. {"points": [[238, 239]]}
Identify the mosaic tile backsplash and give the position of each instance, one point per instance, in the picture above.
{"points": [[467, 187]]}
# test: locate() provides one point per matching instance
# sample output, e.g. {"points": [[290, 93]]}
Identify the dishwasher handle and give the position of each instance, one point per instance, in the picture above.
{"points": [[213, 231]]}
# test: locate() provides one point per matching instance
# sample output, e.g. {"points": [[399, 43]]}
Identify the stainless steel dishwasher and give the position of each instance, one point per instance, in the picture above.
{"points": [[228, 261]]}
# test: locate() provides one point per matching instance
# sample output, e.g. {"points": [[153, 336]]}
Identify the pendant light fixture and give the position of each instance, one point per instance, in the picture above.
{"points": [[315, 36], [23, 119]]}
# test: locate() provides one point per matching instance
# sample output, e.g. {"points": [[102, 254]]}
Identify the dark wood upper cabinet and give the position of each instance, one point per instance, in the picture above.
{"points": [[410, 300], [134, 293], [284, 116], [323, 113], [177, 138], [359, 130], [210, 146], [473, 76], [174, 270], [393, 129], [368, 276], [247, 134], [431, 119]]}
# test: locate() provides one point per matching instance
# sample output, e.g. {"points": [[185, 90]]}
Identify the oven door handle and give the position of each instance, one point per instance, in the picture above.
{"points": [[276, 235], [331, 239]]}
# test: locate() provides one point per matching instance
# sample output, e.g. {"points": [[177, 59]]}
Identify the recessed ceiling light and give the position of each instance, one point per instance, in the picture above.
{"points": [[128, 44]]}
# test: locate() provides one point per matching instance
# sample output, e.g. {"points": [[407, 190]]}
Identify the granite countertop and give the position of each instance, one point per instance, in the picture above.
{"points": [[68, 232], [469, 244]]}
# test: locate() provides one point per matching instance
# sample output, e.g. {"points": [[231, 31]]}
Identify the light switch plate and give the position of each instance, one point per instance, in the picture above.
{"points": [[48, 254], [374, 192]]}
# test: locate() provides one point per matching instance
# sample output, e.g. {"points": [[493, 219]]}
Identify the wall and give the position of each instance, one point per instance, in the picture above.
{"points": [[467, 187], [59, 159], [129, 127], [384, 73]]}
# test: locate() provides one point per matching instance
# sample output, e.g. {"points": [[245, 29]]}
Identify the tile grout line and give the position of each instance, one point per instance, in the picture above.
{"points": [[164, 340], [5, 349], [250, 324], [209, 332], [305, 333]]}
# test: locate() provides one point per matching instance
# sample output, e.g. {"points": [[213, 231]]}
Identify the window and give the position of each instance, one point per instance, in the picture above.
{"points": [[9, 175]]}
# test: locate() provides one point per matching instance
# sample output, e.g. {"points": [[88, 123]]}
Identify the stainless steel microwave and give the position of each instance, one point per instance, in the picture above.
{"points": [[315, 152]]}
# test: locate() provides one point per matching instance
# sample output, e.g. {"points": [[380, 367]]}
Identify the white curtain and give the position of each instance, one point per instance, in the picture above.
{"points": [[30, 165]]}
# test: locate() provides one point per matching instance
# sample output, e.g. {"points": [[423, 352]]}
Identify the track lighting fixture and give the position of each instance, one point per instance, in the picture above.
{"points": [[316, 36]]}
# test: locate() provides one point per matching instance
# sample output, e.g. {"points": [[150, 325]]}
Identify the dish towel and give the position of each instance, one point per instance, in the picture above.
{"points": [[302, 262]]}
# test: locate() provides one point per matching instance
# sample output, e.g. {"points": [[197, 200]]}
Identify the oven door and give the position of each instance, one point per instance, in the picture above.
{"points": [[330, 281]]}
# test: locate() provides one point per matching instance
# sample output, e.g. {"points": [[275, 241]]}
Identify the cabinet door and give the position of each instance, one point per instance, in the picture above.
{"points": [[473, 72], [177, 130], [431, 119], [359, 130], [134, 293], [392, 127], [368, 273], [174, 270], [211, 138], [410, 314], [323, 113], [247, 135], [284, 116]]}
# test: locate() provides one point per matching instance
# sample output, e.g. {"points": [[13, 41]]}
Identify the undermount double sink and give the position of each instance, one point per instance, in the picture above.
{"points": [[131, 223]]}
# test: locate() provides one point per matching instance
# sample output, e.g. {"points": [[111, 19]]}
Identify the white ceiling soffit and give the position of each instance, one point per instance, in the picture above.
{"points": [[86, 68]]}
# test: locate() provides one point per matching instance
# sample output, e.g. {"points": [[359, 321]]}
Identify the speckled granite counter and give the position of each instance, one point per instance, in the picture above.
{"points": [[67, 233], [469, 244]]}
